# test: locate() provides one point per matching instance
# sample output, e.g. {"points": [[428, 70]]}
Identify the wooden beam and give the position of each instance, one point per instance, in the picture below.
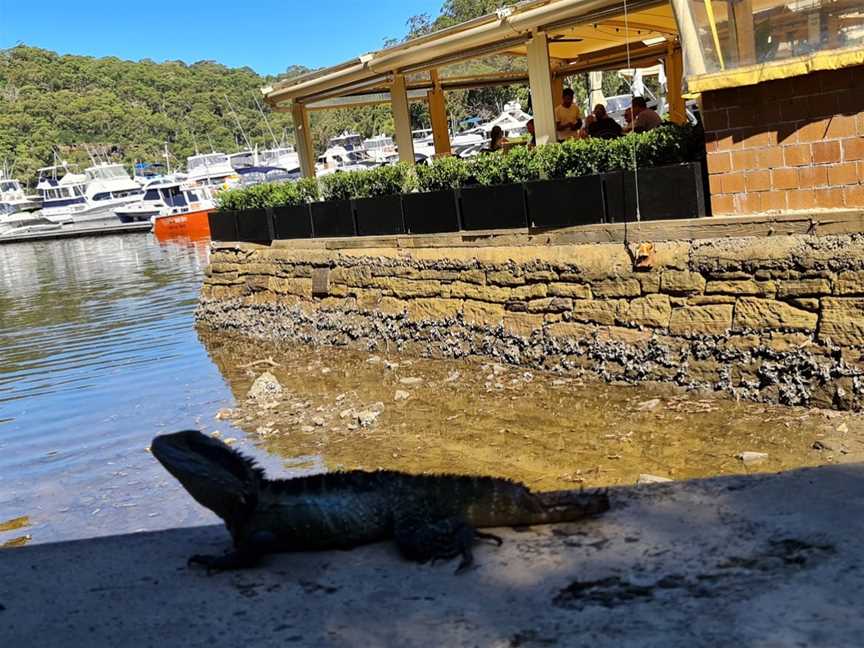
{"points": [[540, 80], [402, 118], [675, 84], [438, 115], [303, 139]]}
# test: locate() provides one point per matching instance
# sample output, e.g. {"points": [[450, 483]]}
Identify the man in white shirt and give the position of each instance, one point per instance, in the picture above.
{"points": [[568, 117]]}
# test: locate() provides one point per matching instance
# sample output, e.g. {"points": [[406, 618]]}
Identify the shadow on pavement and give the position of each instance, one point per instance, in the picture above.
{"points": [[767, 560]]}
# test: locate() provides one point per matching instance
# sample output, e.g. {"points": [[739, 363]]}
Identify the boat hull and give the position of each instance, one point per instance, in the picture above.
{"points": [[192, 225]]}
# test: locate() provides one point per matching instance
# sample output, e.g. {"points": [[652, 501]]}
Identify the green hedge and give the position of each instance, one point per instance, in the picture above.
{"points": [[668, 144]]}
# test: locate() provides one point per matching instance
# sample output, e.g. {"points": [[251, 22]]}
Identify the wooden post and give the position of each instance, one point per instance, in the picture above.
{"points": [[540, 80], [438, 115], [402, 118], [675, 83], [303, 139]]}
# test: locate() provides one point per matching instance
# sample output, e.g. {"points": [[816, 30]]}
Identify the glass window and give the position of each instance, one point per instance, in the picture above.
{"points": [[734, 33], [105, 195], [151, 194]]}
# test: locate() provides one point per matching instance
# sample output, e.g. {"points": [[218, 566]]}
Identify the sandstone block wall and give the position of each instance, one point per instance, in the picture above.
{"points": [[790, 144], [769, 318]]}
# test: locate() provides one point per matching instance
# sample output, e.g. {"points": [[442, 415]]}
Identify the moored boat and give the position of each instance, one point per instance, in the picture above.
{"points": [[176, 208]]}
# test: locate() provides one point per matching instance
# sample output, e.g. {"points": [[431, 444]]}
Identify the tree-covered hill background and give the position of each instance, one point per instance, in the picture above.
{"points": [[129, 110]]}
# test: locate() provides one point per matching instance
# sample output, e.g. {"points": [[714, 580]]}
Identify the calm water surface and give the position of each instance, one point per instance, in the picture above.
{"points": [[98, 353]]}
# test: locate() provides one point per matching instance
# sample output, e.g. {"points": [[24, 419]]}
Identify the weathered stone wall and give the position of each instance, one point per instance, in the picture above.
{"points": [[770, 318]]}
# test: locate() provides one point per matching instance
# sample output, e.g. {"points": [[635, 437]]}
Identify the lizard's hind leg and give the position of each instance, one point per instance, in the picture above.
{"points": [[439, 540]]}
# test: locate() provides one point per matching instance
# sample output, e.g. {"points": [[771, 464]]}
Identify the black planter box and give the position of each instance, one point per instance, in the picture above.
{"points": [[665, 193], [332, 218], [565, 202], [254, 226], [292, 222], [431, 212], [496, 207], [223, 225], [377, 216]]}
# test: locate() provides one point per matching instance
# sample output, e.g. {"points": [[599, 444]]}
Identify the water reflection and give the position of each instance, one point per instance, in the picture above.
{"points": [[98, 354], [478, 417]]}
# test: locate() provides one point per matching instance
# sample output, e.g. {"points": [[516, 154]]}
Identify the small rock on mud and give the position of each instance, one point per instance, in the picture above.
{"points": [[651, 479], [224, 413], [752, 458], [410, 380], [401, 395], [265, 387]]}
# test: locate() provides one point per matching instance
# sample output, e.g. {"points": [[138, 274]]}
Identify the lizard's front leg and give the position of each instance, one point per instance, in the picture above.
{"points": [[246, 555]]}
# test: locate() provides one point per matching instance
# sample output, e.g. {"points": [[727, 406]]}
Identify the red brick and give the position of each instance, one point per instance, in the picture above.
{"points": [[826, 152], [813, 131], [741, 117], [715, 183], [802, 199], [794, 109], [823, 105], [812, 176], [767, 112], [835, 80], [743, 160], [854, 196], [784, 178], [769, 158], [829, 198], [853, 148], [759, 138], [722, 140], [715, 119], [859, 124], [717, 99], [806, 84], [722, 204], [733, 183], [843, 174], [748, 203], [797, 155], [758, 180], [773, 200], [719, 162], [861, 171], [841, 126], [850, 101]]}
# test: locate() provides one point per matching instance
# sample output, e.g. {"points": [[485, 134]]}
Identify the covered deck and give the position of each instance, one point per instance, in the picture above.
{"points": [[556, 38]]}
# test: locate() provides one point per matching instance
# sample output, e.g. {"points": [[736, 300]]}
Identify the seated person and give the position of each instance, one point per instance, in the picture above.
{"points": [[589, 121], [532, 141], [604, 126], [644, 119], [497, 139], [568, 117]]}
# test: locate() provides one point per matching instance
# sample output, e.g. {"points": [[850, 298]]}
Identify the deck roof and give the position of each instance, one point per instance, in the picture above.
{"points": [[583, 34]]}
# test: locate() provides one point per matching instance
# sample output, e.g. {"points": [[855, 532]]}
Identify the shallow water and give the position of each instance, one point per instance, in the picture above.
{"points": [[98, 353]]}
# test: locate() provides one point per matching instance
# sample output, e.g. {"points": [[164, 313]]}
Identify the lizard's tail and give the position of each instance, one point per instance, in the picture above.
{"points": [[569, 505]]}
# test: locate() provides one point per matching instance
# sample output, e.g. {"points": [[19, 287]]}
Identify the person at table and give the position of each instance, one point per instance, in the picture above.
{"points": [[532, 141], [604, 127], [644, 119], [568, 117], [497, 139]]}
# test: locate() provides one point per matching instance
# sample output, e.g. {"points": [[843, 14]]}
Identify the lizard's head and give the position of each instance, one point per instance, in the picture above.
{"points": [[217, 476]]}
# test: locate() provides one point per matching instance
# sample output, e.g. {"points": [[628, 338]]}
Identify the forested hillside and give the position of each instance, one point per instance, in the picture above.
{"points": [[130, 110]]}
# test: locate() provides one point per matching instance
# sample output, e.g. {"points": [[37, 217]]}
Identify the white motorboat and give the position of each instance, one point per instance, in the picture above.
{"points": [[12, 197], [211, 169], [167, 197], [88, 197], [381, 149], [25, 222]]}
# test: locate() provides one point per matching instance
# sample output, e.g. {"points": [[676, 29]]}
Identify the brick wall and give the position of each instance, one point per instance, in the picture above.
{"points": [[787, 145]]}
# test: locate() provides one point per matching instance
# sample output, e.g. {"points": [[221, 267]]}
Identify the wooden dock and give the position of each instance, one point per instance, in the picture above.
{"points": [[76, 232]]}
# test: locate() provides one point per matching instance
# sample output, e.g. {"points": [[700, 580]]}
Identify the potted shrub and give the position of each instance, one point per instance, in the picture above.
{"points": [[335, 216], [670, 182], [378, 199], [493, 199], [571, 192], [435, 209], [291, 214]]}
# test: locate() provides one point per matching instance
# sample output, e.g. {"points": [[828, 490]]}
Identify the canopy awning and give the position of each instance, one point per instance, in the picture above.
{"points": [[580, 33]]}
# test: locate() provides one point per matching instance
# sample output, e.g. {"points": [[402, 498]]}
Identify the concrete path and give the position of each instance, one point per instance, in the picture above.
{"points": [[753, 561]]}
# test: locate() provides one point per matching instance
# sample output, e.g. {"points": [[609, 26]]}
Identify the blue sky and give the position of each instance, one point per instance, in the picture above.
{"points": [[266, 35]]}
